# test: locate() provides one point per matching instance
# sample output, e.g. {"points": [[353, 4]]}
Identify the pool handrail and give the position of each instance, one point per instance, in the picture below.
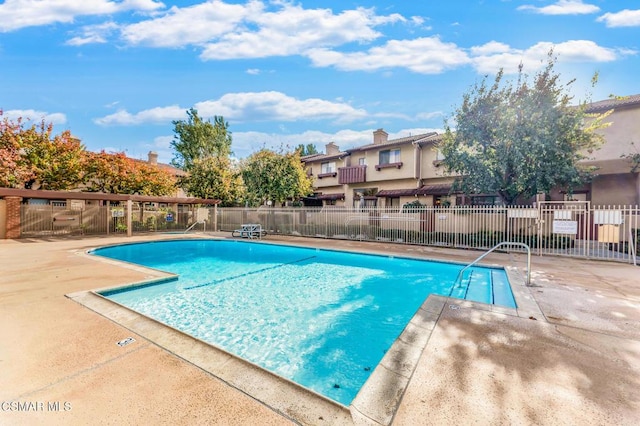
{"points": [[483, 255], [194, 224]]}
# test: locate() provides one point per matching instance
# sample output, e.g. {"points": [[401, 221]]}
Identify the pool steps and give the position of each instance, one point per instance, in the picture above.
{"points": [[489, 285]]}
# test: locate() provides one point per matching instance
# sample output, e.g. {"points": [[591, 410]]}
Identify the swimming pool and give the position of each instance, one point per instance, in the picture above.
{"points": [[321, 318]]}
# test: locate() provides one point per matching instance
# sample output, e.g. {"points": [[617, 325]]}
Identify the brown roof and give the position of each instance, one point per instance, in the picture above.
{"points": [[620, 102], [323, 157], [430, 139], [435, 189]]}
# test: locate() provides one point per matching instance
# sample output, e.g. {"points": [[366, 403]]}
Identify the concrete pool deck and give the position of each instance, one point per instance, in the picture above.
{"points": [[572, 356]]}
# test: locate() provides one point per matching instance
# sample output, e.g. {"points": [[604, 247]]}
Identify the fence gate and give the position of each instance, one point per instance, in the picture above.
{"points": [[564, 227]]}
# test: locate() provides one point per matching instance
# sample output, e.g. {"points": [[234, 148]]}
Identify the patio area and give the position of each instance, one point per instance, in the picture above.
{"points": [[571, 355]]}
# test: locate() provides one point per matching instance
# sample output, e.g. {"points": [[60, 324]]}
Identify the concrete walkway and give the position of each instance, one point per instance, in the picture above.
{"points": [[573, 357]]}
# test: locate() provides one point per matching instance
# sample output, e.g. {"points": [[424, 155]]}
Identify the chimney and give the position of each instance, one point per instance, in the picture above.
{"points": [[153, 158], [380, 136], [331, 148]]}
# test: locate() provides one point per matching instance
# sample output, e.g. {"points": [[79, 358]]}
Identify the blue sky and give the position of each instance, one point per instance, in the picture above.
{"points": [[116, 73]]}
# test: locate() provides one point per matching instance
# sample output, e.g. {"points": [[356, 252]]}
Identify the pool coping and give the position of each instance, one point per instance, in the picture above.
{"points": [[376, 402]]}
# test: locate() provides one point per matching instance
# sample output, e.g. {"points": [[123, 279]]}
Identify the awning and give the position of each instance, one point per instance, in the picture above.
{"points": [[330, 196], [436, 189], [396, 192]]}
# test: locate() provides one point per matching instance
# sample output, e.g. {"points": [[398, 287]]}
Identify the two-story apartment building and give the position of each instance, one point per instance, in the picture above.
{"points": [[385, 173], [391, 173]]}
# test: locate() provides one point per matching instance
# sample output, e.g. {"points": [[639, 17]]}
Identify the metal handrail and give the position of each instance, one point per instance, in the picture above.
{"points": [[632, 247], [194, 224], [494, 248]]}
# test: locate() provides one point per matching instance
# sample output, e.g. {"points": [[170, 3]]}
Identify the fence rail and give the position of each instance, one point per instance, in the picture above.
{"points": [[565, 229], [574, 229]]}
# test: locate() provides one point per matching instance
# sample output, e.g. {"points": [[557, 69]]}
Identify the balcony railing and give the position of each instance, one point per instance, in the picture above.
{"points": [[353, 174]]}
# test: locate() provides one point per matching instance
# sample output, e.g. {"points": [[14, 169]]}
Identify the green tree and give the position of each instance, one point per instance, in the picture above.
{"points": [[277, 177], [307, 149], [198, 139], [216, 178], [518, 141]]}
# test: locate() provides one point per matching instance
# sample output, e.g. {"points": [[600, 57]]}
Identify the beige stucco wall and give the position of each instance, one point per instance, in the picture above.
{"points": [[372, 158], [619, 189], [430, 168], [623, 130], [326, 182]]}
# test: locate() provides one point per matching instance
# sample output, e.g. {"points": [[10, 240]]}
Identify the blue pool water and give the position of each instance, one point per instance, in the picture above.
{"points": [[321, 318]]}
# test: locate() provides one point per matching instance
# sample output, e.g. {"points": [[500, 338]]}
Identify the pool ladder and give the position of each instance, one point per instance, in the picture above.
{"points": [[458, 281]]}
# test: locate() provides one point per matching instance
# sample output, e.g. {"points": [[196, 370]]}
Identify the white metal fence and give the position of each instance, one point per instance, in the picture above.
{"points": [[550, 228]]}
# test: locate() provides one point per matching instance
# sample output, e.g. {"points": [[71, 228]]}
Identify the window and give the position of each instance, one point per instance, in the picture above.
{"points": [[441, 201], [365, 197], [389, 156], [361, 161], [328, 167], [392, 202]]}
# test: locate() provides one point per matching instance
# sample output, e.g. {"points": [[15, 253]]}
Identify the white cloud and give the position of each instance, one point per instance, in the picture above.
{"points": [[624, 18], [261, 106], [30, 116], [491, 60], [196, 24], [253, 30], [16, 14], [253, 71], [563, 7], [426, 55], [92, 34], [292, 30], [248, 106], [159, 115], [429, 115], [491, 48]]}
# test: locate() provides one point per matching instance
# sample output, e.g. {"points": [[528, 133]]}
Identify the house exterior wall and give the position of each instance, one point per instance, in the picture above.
{"points": [[614, 183], [431, 167], [624, 129], [618, 189], [381, 173], [325, 183]]}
